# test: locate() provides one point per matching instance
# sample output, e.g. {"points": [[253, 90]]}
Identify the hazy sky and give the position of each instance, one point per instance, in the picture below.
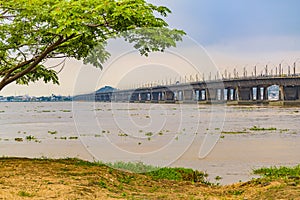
{"points": [[234, 33]]}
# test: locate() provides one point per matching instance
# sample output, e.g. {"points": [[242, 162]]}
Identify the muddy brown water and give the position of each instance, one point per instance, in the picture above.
{"points": [[157, 134]]}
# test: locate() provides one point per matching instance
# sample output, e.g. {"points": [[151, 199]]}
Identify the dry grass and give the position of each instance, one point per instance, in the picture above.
{"points": [[75, 179]]}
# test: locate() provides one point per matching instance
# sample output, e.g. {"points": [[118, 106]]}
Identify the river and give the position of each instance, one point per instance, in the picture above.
{"points": [[225, 141]]}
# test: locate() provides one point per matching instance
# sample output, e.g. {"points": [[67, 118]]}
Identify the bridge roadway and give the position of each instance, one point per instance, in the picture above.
{"points": [[246, 90]]}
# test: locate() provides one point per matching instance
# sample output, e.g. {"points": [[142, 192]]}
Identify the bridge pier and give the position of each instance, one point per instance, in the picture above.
{"points": [[245, 93], [291, 92]]}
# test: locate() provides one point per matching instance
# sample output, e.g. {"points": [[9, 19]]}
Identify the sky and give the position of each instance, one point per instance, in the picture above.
{"points": [[233, 34]]}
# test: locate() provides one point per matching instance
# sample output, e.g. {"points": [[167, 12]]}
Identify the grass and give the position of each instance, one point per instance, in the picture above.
{"points": [[65, 110], [286, 173], [30, 137], [256, 128], [52, 132], [19, 139], [78, 179], [234, 132], [122, 134], [148, 134], [73, 138], [168, 173], [24, 194]]}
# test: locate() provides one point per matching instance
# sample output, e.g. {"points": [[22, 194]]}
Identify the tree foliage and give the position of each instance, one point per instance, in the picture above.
{"points": [[31, 32]]}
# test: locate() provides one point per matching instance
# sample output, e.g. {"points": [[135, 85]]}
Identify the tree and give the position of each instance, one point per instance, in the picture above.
{"points": [[32, 32]]}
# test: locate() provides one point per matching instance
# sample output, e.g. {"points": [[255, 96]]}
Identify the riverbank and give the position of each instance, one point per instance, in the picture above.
{"points": [[76, 179]]}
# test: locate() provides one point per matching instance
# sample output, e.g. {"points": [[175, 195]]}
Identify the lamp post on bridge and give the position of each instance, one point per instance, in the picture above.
{"points": [[294, 66]]}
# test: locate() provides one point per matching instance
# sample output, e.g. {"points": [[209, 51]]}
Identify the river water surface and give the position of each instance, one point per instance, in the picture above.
{"points": [[238, 138]]}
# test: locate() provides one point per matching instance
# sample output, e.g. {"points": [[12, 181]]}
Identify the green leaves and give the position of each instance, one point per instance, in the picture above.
{"points": [[37, 30]]}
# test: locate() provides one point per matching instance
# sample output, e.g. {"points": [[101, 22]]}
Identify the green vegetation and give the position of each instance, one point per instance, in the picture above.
{"points": [[24, 194], [168, 173], [30, 137], [73, 138], [62, 138], [98, 135], [73, 178], [122, 135], [149, 134], [19, 139], [32, 32], [256, 128], [234, 132], [65, 110], [286, 173], [52, 132]]}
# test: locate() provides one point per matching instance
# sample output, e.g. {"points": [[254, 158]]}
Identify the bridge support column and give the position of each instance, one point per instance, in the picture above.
{"points": [[265, 97], [244, 93], [236, 94], [212, 94], [291, 92], [259, 97], [222, 91], [281, 93]]}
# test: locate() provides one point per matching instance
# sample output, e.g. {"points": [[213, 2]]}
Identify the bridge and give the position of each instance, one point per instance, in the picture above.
{"points": [[236, 90]]}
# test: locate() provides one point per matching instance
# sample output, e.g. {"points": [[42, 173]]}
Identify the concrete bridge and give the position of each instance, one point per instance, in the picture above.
{"points": [[245, 90]]}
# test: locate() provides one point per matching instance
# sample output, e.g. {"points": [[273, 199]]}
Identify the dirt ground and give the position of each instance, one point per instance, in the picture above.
{"points": [[22, 178]]}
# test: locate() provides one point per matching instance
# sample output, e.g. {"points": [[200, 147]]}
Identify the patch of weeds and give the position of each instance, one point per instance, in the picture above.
{"points": [[147, 116], [222, 136], [103, 131], [2, 111], [139, 143], [149, 138], [217, 129], [140, 131], [24, 194], [52, 132], [176, 138], [123, 194], [234, 132], [126, 179], [122, 134], [235, 192], [179, 174], [73, 138], [154, 189], [273, 173], [30, 137], [256, 128], [160, 133], [19, 139], [62, 138], [136, 167], [217, 178], [46, 111], [149, 134], [284, 130], [65, 110], [102, 184], [97, 135]]}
